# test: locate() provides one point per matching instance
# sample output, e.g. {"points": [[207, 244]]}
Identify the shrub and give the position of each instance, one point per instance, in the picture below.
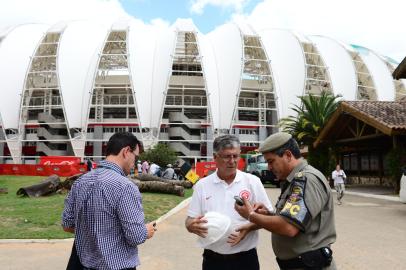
{"points": [[161, 154]]}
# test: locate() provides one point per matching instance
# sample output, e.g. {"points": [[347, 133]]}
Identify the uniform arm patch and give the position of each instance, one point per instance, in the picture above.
{"points": [[295, 208]]}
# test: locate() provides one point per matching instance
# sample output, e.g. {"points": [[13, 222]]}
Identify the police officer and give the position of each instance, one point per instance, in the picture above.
{"points": [[303, 226]]}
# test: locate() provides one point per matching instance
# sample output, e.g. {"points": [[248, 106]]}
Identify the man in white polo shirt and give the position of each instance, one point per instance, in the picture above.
{"points": [[215, 193]]}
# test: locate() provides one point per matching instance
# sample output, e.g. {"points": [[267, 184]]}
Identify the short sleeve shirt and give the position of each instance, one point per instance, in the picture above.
{"points": [[213, 194], [338, 177], [314, 216]]}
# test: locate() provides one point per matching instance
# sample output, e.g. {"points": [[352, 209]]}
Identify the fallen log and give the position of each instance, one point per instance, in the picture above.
{"points": [[159, 187], [68, 182], [149, 177], [48, 186]]}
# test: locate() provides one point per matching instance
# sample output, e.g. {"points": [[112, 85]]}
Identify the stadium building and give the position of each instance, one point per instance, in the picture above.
{"points": [[65, 89]]}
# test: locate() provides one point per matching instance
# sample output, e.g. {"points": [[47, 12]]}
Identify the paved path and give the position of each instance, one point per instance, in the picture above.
{"points": [[371, 235]]}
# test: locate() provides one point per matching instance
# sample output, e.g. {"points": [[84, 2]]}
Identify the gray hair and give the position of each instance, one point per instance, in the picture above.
{"points": [[225, 141]]}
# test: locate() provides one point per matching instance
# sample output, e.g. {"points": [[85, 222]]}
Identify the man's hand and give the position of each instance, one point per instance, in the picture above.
{"points": [[196, 226], [69, 230], [260, 208], [151, 229], [239, 234], [244, 210]]}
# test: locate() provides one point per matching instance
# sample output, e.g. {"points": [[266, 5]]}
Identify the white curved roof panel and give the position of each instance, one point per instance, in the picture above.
{"points": [[245, 28], [210, 72], [185, 25], [77, 60], [121, 25], [15, 52], [151, 64], [58, 27], [340, 66], [141, 45], [5, 30], [228, 53], [163, 60], [288, 65], [300, 36], [385, 88]]}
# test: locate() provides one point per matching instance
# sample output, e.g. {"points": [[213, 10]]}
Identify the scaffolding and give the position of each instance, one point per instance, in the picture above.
{"points": [[256, 107], [43, 129], [365, 84], [317, 75], [112, 99], [186, 119]]}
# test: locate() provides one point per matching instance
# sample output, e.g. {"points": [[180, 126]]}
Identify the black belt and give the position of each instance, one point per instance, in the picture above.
{"points": [[211, 254], [121, 269], [311, 260]]}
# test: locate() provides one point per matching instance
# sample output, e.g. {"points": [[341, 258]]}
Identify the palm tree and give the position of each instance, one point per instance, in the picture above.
{"points": [[312, 115]]}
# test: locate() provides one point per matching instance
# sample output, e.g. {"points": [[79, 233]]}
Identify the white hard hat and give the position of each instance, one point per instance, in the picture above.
{"points": [[217, 226]]}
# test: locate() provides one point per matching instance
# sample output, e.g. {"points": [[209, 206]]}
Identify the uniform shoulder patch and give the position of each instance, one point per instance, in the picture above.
{"points": [[299, 176], [295, 208]]}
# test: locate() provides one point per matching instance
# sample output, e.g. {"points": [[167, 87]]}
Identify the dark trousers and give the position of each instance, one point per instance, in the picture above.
{"points": [[74, 262], [246, 260]]}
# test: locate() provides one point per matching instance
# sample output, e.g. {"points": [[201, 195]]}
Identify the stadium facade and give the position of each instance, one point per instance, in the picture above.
{"points": [[67, 88]]}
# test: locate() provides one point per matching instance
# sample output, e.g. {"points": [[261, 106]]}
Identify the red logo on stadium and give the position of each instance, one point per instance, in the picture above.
{"points": [[245, 194]]}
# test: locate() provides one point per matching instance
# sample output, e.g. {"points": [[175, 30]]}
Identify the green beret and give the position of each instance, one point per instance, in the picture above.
{"points": [[274, 141]]}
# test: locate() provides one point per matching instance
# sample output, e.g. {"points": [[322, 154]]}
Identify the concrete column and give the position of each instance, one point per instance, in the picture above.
{"points": [[2, 145], [210, 137], [2, 152], [272, 119], [263, 134], [275, 122], [97, 146]]}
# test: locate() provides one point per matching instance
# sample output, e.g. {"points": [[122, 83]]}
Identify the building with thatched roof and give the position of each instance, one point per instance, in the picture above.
{"points": [[400, 71], [363, 133]]}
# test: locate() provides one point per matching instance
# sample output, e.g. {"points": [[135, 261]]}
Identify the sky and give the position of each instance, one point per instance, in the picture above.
{"points": [[377, 24]]}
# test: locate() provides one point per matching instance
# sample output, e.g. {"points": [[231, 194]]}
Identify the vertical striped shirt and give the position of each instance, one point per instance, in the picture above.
{"points": [[105, 209]]}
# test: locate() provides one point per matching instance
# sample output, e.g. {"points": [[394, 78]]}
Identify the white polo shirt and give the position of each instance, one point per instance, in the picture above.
{"points": [[213, 194]]}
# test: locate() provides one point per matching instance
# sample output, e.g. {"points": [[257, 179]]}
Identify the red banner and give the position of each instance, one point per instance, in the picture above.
{"points": [[58, 160], [42, 170]]}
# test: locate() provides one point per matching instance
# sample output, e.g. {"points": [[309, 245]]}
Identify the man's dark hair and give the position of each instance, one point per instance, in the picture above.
{"points": [[119, 141], [290, 145]]}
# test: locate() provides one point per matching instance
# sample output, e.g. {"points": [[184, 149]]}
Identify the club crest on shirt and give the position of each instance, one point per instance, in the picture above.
{"points": [[245, 194]]}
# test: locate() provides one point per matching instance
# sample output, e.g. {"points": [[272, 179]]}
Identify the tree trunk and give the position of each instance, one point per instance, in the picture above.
{"points": [[47, 186], [154, 184], [149, 177], [159, 187], [67, 184]]}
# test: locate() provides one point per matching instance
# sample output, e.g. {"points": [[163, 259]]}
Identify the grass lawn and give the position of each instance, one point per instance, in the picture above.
{"points": [[31, 218]]}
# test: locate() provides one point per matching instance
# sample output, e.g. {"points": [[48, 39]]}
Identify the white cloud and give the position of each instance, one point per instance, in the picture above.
{"points": [[52, 11], [198, 6], [378, 25], [160, 23]]}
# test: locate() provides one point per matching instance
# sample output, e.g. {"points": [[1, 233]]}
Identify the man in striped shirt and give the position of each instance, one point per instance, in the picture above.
{"points": [[105, 212]]}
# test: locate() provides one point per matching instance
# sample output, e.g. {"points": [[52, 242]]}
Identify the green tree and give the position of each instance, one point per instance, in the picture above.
{"points": [[312, 115], [161, 154], [396, 160]]}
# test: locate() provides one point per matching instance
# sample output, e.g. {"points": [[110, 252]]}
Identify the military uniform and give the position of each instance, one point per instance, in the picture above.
{"points": [[307, 203]]}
